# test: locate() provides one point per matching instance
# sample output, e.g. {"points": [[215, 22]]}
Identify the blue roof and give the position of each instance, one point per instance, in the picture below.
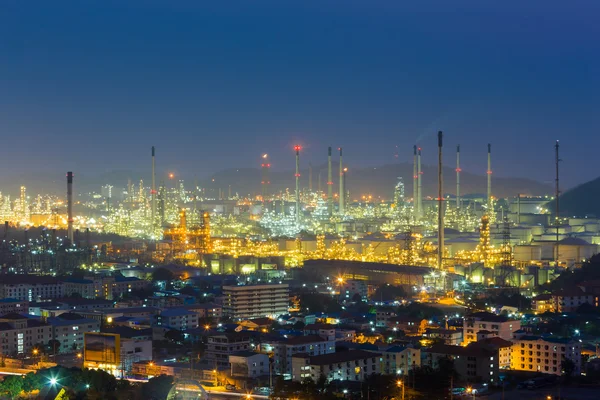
{"points": [[176, 312]]}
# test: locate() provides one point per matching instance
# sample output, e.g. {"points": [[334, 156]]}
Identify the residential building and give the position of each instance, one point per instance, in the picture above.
{"points": [[536, 353], [327, 331], [382, 317], [497, 325], [69, 329], [471, 363], [349, 288], [499, 345], [248, 364], [569, 300], [542, 303], [255, 301], [399, 360], [453, 337], [119, 359], [257, 324], [84, 287], [177, 318], [31, 287], [312, 345], [18, 334], [352, 365], [220, 347], [13, 306], [409, 325]]}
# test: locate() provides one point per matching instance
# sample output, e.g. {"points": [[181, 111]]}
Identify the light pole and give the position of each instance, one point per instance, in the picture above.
{"points": [[401, 385]]}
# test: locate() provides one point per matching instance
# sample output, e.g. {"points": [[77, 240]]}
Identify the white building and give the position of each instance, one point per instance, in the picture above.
{"points": [[496, 325], [178, 318], [19, 334], [248, 364], [399, 360], [220, 347], [69, 330], [535, 353], [312, 345], [255, 301], [353, 365], [31, 287]]}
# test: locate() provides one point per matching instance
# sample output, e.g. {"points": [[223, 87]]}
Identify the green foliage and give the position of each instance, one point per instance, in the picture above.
{"points": [[162, 274], [11, 386], [317, 302], [589, 271], [388, 293], [174, 336], [420, 310], [157, 388]]}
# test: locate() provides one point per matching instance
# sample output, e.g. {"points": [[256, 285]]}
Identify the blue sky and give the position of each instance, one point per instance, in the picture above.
{"points": [[215, 84]]}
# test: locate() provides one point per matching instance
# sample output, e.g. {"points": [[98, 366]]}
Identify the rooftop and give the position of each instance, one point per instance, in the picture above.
{"points": [[304, 340]]}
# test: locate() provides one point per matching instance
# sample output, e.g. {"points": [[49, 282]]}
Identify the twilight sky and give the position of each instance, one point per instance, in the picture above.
{"points": [[214, 84]]}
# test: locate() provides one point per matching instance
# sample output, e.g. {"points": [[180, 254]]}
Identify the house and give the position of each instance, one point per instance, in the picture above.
{"points": [[178, 318], [219, 347], [542, 303], [569, 300], [327, 331]]}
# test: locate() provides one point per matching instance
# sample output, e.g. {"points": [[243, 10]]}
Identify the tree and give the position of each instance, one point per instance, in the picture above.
{"points": [[157, 388], [12, 385], [299, 325], [31, 382], [162, 274], [388, 292], [357, 298], [53, 346], [174, 336], [567, 367]]}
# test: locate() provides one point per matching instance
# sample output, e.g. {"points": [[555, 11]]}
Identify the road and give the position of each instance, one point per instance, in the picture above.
{"points": [[570, 393]]}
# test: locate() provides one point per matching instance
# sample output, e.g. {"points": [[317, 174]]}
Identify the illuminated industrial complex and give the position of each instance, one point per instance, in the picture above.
{"points": [[485, 239]]}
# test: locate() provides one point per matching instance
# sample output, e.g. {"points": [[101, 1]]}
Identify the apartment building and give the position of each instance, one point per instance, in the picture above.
{"points": [[69, 330], [255, 301], [19, 334], [353, 365], [31, 287], [496, 325], [475, 364], [453, 337], [399, 360], [249, 364], [312, 345], [13, 306], [178, 318], [536, 353], [220, 347]]}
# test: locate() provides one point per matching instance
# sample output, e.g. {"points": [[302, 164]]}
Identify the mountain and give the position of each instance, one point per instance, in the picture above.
{"points": [[375, 181], [580, 201]]}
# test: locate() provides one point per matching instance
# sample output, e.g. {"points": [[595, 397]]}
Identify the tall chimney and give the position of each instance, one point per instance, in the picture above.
{"points": [[440, 252], [557, 194], [341, 206], [70, 206], [489, 179], [265, 177], [458, 177], [420, 183], [297, 148], [310, 177], [415, 185], [153, 195], [329, 185]]}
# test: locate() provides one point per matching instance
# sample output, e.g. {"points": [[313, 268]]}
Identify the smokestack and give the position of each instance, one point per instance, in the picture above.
{"points": [[329, 185], [458, 177], [310, 177], [297, 148], [489, 179], [153, 195], [420, 183], [415, 185], [557, 194], [342, 195], [319, 183], [440, 254], [70, 206], [265, 177]]}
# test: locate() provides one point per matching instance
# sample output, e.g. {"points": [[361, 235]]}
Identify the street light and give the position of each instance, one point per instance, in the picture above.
{"points": [[401, 385], [53, 381]]}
